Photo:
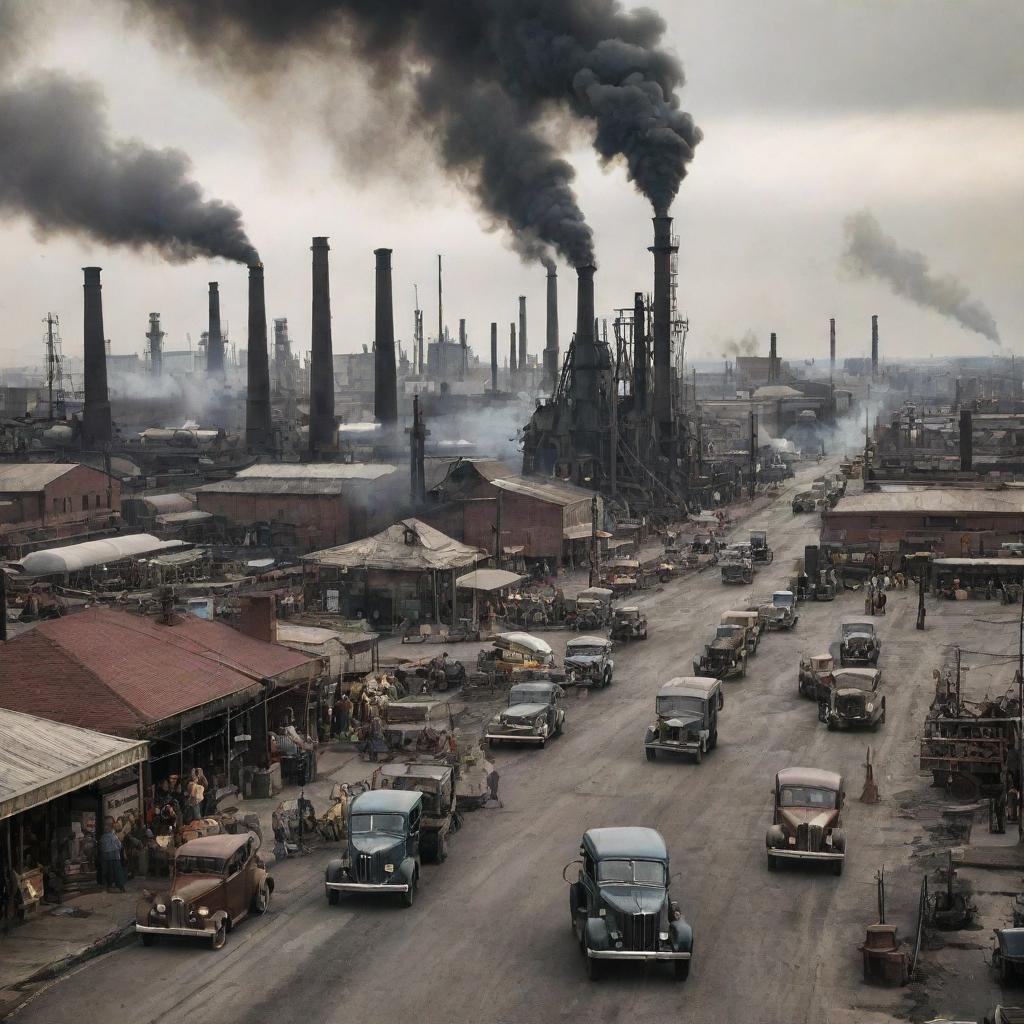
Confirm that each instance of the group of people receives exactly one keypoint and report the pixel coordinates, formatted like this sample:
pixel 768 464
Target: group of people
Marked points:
pixel 180 800
pixel 875 598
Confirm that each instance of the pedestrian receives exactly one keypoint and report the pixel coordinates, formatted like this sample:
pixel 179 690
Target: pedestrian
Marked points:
pixel 881 603
pixel 194 796
pixel 493 778
pixel 111 850
pixel 867 602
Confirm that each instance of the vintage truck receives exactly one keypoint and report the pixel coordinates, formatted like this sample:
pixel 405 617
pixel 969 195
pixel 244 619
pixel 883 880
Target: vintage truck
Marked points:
pixel 781 613
pixel 588 661
pixel 702 551
pixel 686 717
pixel 512 653
pixel 593 608
pixel 725 657
pixel 749 622
pixel 759 547
pixel 436 782
pixel 383 855
pixel 737 564
pixel 628 623
pixel 859 644
pixel 620 905
pixel 807 818
pixel 853 699
pixel 814 679
pixel 808 501
pixel 533 715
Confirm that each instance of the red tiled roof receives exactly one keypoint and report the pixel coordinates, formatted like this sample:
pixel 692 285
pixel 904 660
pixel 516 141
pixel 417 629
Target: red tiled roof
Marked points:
pixel 109 670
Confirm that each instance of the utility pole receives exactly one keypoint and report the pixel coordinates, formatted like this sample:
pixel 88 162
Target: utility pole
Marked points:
pixel 595 551
pixel 498 552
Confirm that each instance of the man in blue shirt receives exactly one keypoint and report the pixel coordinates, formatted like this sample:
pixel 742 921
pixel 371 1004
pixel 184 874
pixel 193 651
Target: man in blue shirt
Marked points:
pixel 111 868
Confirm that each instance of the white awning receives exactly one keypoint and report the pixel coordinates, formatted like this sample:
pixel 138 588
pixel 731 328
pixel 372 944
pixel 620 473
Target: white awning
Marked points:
pixel 488 580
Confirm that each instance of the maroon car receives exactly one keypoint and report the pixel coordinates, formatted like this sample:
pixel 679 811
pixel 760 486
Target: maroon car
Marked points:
pixel 215 882
pixel 807 823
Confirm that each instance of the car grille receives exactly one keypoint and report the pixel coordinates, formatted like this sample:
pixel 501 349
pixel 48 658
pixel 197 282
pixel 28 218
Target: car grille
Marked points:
pixel 850 707
pixel 369 867
pixel 178 917
pixel 640 932
pixel 809 837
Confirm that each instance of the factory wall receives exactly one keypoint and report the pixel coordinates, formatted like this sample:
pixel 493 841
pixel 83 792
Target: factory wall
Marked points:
pixel 525 521
pixel 966 534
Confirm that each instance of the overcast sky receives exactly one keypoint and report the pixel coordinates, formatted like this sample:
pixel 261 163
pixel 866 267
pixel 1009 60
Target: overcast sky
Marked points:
pixel 811 109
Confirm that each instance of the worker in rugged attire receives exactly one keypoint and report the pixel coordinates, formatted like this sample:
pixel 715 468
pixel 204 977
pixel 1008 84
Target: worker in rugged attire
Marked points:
pixel 110 849
pixel 493 778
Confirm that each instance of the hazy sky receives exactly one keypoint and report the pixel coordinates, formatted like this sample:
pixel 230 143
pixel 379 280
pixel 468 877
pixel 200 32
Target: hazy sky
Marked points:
pixel 811 109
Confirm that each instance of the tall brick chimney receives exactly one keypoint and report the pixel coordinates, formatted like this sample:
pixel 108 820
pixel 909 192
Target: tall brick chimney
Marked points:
pixel 96 424
pixel 214 338
pixel 385 379
pixel 322 432
pixel 551 346
pixel 258 433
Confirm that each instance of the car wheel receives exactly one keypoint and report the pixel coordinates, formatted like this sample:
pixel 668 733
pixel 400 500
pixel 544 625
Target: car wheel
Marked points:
pixel 772 863
pixel 832 725
pixel 593 967
pixel 261 899
pixel 837 867
pixel 698 755
pixel 713 741
pixel 220 936
pixel 650 753
pixel 442 849
pixel 147 940
pixel 409 897
pixel 543 742
pixel 682 970
pixel 333 897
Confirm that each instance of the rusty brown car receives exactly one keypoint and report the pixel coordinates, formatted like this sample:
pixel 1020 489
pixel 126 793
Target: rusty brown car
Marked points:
pixel 807 818
pixel 216 882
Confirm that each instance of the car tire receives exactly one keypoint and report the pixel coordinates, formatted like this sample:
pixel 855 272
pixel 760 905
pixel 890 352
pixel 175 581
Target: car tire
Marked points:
pixel 682 970
pixel 837 866
pixel 543 742
pixel 409 897
pixel 650 753
pixel 713 742
pixel 148 940
pixel 698 755
pixel 261 899
pixel 220 937
pixel 772 863
pixel 831 726
pixel 333 897
pixel 442 849
pixel 593 967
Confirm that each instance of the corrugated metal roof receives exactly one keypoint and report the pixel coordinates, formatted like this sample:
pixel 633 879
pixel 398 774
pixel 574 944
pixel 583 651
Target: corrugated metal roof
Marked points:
pixel 936 500
pixel 117 672
pixel 555 493
pixel 41 759
pixel 317 471
pixel 166 503
pixel 276 485
pixel 22 477
pixel 75 557
pixel 179 518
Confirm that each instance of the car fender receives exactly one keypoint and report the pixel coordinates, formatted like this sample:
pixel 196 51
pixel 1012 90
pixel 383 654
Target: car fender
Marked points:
pixel 219 918
pixel 407 870
pixel 775 837
pixel 335 870
pixel 838 840
pixel 264 877
pixel 596 933
pixel 681 936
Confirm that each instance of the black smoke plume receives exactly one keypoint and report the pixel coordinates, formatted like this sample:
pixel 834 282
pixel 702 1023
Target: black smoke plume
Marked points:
pixel 487 76
pixel 60 168
pixel 872 253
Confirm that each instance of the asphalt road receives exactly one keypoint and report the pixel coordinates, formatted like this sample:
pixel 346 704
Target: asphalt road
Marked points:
pixel 489 936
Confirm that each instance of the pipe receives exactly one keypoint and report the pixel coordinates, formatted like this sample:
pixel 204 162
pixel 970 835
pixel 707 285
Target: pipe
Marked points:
pixel 551 346
pixel 385 380
pixel 522 332
pixel 214 338
pixel 96 424
pixel 874 347
pixel 257 403
pixel 494 357
pixel 639 352
pixel 832 343
pixel 663 251
pixel 322 432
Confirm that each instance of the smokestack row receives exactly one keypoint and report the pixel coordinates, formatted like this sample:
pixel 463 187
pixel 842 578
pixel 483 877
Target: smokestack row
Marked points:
pixel 322 433
pixel 258 433
pixel 551 346
pixel 214 338
pixel 96 424
pixel 663 251
pixel 385 379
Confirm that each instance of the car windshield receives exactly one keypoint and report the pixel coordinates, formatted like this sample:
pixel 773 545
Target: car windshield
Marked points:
pixel 585 651
pixel 678 705
pixel 393 823
pixel 807 796
pixel 632 872
pixel 724 632
pixel 199 866
pixel 859 627
pixel 526 695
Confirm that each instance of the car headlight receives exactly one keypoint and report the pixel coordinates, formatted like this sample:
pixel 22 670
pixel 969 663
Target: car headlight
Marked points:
pixel 161 908
pixel 389 869
pixel 203 911
pixel 663 936
pixel 869 707
pixel 614 935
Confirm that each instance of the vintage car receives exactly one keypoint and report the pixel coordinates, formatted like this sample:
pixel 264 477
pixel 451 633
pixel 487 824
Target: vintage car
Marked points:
pixel 808 501
pixel 533 715
pixel 725 657
pixel 1008 954
pixel 513 652
pixel 737 564
pixel 806 820
pixel 749 622
pixel 759 547
pixel 436 782
pixel 686 720
pixel 623 575
pixel 588 661
pixel 815 676
pixel 593 607
pixel 216 881
pixel 701 552
pixel 629 623
pixel 854 699
pixel 620 904
pixel 383 855
pixel 781 613
pixel 859 644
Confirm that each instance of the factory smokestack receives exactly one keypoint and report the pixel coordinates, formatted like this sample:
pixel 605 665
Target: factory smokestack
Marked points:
pixel 463 354
pixel 385 377
pixel 96 426
pixel 832 344
pixel 551 346
pixel 773 360
pixel 494 357
pixel 663 251
pixel 586 369
pixel 874 347
pixel 155 337
pixel 257 403
pixel 214 339
pixel 522 332
pixel 322 432
pixel 966 440
pixel 639 352
pixel 513 360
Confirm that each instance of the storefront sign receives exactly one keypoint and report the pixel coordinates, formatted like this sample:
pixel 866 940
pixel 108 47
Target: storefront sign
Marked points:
pixel 121 801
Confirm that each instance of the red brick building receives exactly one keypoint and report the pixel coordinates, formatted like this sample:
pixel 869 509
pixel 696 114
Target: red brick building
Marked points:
pixel 43 502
